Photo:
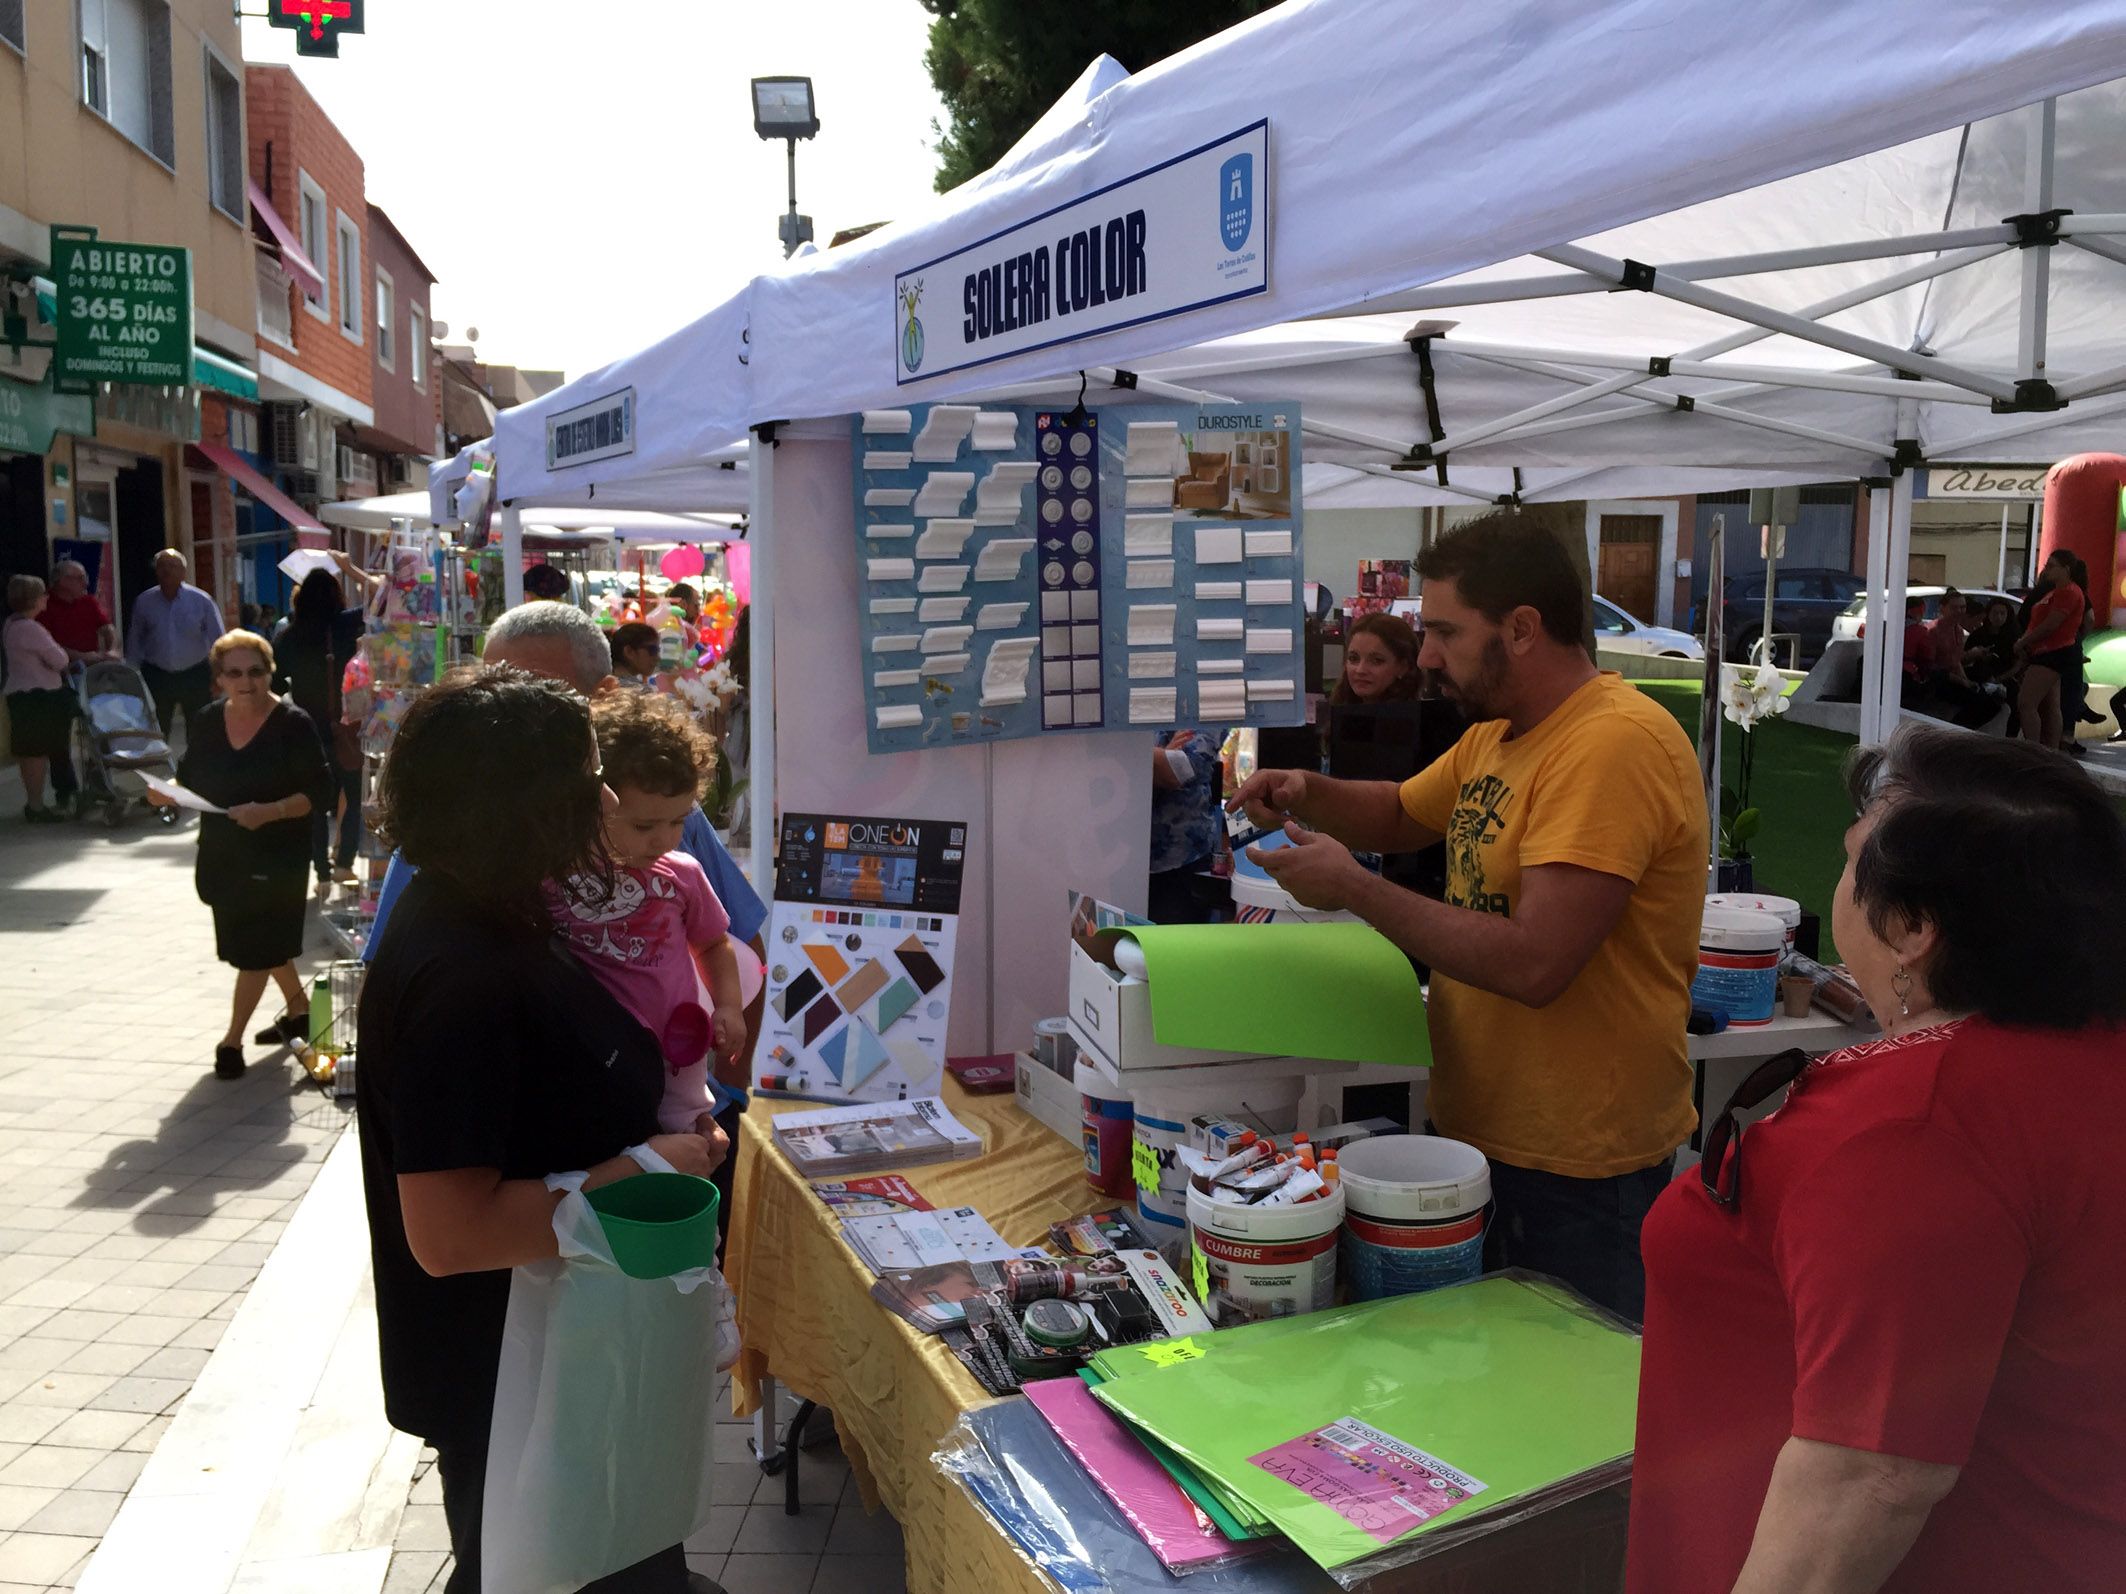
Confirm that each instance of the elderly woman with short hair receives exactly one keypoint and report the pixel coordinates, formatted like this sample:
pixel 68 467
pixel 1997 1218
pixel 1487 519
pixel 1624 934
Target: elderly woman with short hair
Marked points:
pixel 258 757
pixel 40 709
pixel 1884 1324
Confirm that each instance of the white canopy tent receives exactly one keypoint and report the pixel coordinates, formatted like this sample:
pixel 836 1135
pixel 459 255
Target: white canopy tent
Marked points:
pixel 1398 159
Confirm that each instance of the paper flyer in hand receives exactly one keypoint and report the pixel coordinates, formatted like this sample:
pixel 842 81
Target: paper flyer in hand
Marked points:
pixel 860 957
pixel 183 796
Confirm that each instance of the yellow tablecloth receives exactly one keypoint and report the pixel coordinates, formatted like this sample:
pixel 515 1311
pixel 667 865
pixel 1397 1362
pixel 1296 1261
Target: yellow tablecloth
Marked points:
pixel 805 1308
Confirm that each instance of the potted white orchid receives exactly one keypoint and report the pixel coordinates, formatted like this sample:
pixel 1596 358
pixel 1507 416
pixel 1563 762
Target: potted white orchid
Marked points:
pixel 1750 694
pixel 711 693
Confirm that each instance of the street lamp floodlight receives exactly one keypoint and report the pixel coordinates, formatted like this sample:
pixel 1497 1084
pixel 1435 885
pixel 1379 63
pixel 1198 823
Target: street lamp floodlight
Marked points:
pixel 782 108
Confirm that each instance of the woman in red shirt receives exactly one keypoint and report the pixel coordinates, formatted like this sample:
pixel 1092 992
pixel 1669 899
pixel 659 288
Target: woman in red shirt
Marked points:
pixel 2051 642
pixel 1886 1325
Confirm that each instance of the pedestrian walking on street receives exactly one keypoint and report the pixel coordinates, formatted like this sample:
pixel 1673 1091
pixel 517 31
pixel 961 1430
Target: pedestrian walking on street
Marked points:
pixel 257 756
pixel 33 676
pixel 173 627
pixel 81 625
pixel 311 651
pixel 491 1059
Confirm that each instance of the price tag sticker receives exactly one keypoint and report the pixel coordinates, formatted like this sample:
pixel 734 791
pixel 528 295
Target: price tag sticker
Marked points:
pixel 1199 1272
pixel 1144 1165
pixel 1171 1352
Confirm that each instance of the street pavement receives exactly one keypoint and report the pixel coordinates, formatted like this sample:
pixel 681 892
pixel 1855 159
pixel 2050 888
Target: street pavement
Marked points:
pixel 140 1198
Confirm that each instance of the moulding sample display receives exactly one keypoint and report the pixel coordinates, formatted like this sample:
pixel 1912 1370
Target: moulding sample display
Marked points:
pixel 860 944
pixel 1164 576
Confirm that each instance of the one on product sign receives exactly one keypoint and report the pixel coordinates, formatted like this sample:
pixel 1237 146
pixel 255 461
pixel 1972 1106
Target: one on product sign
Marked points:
pixel 125 312
pixel 1191 232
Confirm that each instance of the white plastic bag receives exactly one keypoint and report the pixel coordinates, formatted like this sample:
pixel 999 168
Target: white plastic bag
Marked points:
pixel 605 1409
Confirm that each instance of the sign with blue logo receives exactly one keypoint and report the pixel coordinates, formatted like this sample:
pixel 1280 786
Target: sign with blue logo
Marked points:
pixel 1191 232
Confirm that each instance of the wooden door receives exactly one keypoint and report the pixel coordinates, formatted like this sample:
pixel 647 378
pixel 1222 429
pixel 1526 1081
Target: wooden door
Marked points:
pixel 1629 549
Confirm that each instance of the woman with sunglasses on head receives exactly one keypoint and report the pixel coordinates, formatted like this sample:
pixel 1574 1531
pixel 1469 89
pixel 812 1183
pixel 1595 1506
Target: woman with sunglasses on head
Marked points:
pixel 259 757
pixel 1883 1324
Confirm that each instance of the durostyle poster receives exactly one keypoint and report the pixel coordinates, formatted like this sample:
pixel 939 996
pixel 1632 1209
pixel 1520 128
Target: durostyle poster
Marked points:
pixel 860 941
pixel 1028 571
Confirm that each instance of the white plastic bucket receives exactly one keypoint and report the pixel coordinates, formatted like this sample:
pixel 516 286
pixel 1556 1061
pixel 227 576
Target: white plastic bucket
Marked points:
pixel 1107 1122
pixel 1264 1262
pixel 1739 953
pixel 1162 1125
pixel 1785 909
pixel 1257 899
pixel 1415 1214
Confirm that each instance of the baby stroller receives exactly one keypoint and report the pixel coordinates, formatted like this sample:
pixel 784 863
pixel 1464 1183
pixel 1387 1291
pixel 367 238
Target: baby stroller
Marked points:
pixel 118 736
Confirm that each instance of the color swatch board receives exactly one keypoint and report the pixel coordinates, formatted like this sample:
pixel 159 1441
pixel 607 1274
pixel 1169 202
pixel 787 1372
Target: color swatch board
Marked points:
pixel 860 957
pixel 1044 570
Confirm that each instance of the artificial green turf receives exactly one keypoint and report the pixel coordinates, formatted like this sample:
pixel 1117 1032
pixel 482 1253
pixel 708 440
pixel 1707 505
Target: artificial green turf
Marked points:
pixel 1800 852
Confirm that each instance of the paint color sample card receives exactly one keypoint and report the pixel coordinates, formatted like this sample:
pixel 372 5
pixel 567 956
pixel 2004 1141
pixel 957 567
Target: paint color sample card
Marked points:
pixel 860 945
pixel 1155 525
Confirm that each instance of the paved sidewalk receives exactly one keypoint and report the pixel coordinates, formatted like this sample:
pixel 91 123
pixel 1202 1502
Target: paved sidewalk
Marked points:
pixel 139 1196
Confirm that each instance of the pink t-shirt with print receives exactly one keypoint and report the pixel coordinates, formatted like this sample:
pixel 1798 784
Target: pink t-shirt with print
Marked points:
pixel 636 941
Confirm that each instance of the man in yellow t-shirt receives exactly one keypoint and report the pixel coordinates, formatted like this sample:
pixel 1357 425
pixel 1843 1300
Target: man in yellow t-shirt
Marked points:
pixel 1562 956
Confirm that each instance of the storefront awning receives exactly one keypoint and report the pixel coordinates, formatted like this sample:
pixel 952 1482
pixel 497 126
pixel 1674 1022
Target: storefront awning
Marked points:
pixel 223 376
pixel 309 532
pixel 297 264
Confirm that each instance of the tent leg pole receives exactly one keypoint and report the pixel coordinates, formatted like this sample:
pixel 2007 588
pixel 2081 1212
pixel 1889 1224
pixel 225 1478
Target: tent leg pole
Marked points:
pixel 512 556
pixel 1893 638
pixel 2037 261
pixel 760 689
pixel 1871 649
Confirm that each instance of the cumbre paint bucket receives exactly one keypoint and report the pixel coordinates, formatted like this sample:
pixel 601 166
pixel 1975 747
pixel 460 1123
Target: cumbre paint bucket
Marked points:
pixel 1108 1123
pixel 1739 953
pixel 1785 909
pixel 1266 1261
pixel 1415 1214
pixel 1267 1106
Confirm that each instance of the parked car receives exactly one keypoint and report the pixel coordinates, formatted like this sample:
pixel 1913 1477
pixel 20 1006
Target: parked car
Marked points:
pixel 1853 623
pixel 1806 603
pixel 1627 634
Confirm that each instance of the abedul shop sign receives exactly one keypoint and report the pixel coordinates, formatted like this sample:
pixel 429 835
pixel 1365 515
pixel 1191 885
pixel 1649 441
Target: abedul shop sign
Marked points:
pixel 1190 232
pixel 125 312
pixel 31 415
pixel 2005 482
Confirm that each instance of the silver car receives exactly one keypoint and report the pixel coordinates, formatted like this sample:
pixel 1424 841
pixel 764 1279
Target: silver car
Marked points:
pixel 1626 634
pixel 1853 622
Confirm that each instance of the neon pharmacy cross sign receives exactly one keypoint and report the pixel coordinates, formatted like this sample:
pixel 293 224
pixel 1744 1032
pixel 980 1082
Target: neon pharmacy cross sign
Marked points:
pixel 319 23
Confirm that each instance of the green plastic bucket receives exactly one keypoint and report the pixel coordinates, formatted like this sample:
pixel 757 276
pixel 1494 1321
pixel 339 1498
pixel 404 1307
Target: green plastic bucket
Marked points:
pixel 658 1224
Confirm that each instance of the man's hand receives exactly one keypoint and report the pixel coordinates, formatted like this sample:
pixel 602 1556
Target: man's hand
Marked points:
pixel 1270 797
pixel 1317 871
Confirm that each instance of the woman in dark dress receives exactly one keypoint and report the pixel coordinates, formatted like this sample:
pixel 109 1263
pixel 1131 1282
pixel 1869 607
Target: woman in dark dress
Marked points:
pixel 257 756
pixel 490 1060
pixel 311 649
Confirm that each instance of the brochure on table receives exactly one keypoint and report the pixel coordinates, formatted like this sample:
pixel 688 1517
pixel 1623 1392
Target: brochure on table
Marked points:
pixel 1030 570
pixel 860 957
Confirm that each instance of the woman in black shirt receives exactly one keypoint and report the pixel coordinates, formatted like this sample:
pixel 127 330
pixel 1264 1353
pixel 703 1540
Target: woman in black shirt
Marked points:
pixel 490 1059
pixel 312 648
pixel 258 757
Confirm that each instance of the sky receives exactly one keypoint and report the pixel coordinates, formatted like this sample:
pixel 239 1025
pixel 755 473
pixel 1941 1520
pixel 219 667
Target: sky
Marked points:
pixel 583 178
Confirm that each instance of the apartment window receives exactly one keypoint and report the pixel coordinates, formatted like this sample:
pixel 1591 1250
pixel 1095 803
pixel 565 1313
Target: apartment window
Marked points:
pixel 125 70
pixel 314 230
pixel 417 343
pixel 386 323
pixel 11 22
pixel 350 262
pixel 225 139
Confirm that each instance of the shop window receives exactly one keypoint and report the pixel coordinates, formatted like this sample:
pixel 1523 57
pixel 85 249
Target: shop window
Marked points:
pixel 125 70
pixel 349 238
pixel 386 323
pixel 225 139
pixel 312 222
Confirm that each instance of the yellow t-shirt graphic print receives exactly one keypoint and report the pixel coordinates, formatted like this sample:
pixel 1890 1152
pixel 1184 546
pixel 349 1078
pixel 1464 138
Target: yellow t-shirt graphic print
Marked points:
pixel 1598 1083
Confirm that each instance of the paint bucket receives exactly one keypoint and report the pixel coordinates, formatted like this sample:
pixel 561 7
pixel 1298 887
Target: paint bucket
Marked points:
pixel 1053 1047
pixel 1785 909
pixel 1415 1218
pixel 1739 953
pixel 1109 1122
pixel 1262 1262
pixel 1161 1126
pixel 1257 899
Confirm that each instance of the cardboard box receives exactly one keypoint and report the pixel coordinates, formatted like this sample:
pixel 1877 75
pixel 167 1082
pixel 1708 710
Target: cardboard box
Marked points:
pixel 1051 1098
pixel 1113 1020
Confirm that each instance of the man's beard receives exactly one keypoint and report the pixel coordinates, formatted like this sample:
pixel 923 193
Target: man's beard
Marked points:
pixel 1483 697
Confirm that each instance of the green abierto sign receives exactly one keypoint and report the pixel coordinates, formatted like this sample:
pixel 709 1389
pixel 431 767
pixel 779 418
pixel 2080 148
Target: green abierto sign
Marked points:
pixel 31 414
pixel 125 312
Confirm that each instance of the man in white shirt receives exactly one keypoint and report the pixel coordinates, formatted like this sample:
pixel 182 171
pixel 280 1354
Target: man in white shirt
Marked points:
pixel 172 627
